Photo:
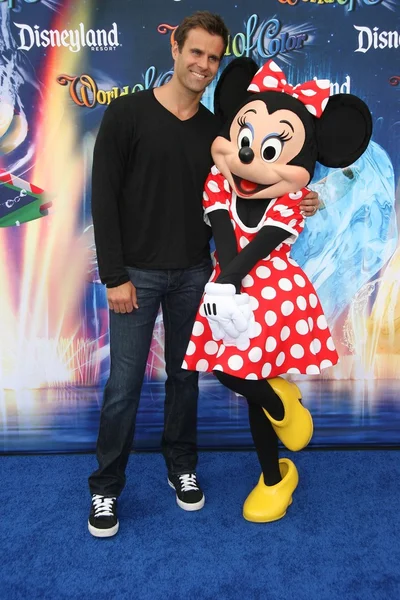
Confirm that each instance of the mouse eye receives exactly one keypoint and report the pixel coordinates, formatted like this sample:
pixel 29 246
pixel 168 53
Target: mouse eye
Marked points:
pixel 245 137
pixel 271 149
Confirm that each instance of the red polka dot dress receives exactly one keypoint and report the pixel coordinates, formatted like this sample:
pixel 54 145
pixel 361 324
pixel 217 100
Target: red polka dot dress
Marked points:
pixel 292 332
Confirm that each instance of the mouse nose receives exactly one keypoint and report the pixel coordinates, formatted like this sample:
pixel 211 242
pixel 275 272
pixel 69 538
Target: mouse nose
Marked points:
pixel 246 155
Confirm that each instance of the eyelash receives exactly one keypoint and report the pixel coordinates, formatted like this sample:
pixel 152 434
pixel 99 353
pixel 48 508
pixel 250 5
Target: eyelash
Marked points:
pixel 283 137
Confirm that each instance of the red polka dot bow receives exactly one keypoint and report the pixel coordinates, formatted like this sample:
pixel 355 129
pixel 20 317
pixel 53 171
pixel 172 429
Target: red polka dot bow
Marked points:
pixel 313 94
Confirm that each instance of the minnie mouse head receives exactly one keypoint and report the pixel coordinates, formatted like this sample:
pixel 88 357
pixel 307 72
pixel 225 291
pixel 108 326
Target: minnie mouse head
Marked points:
pixel 270 145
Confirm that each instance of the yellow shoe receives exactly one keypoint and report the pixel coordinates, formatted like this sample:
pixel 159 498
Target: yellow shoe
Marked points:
pixel 296 428
pixel 268 503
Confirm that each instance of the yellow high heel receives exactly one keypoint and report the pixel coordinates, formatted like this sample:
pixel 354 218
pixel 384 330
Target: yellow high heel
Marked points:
pixel 296 428
pixel 268 503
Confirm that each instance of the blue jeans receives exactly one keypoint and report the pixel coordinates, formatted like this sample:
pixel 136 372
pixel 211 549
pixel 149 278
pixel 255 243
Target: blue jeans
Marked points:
pixel 179 292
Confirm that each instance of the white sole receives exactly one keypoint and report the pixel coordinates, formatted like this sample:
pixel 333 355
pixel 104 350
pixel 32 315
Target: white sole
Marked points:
pixel 186 506
pixel 103 533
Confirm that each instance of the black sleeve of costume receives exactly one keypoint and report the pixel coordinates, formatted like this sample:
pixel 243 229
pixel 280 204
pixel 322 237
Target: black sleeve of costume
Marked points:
pixel 266 240
pixel 224 236
pixel 110 156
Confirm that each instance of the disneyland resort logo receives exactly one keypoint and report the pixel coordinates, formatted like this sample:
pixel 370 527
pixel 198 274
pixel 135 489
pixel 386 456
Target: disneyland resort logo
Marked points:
pixel 73 39
pixel 267 39
pixel 351 5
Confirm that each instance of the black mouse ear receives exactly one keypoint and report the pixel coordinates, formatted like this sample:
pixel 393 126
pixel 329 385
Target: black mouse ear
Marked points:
pixel 343 131
pixel 231 89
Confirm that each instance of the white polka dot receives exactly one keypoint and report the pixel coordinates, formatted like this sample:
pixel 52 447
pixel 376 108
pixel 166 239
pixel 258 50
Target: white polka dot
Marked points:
pixel 255 354
pixel 211 348
pixel 324 103
pixel 311 109
pixel 257 329
pixel 308 92
pixel 287 308
pixel 253 88
pixel 301 302
pixel 270 344
pixel 269 81
pixel 310 323
pixel 227 187
pixel 198 328
pixel 279 264
pixel 233 224
pixel 251 376
pixel 247 281
pixel 301 282
pixel 297 351
pixel 218 368
pixel 202 365
pixel 215 170
pixel 313 300
pixel 330 344
pixel 312 370
pixel 292 223
pixel 325 364
pixel 280 207
pixel 295 195
pixel 268 293
pixel 221 350
pixel 205 197
pixel 235 362
pixel 321 322
pixel 213 186
pixel 243 242
pixel 302 327
pixel 315 346
pixel 263 272
pixel 275 68
pixel 270 318
pixel 285 333
pixel 266 370
pixel 280 359
pixel 292 262
pixel 191 349
pixel 184 365
pixel 254 303
pixel 285 284
pixel 323 84
pixel 294 370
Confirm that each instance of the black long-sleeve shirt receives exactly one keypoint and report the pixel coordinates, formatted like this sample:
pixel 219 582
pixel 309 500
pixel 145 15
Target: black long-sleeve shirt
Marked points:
pixel 149 169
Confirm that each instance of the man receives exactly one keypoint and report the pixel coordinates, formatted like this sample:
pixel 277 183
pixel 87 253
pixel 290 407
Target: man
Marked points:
pixel 151 158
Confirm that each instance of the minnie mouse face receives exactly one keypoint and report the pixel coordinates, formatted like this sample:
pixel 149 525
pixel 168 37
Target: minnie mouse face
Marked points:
pixel 256 158
pixel 271 145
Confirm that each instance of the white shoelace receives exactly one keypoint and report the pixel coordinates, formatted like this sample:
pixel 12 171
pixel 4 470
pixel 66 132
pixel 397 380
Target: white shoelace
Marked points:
pixel 188 482
pixel 102 506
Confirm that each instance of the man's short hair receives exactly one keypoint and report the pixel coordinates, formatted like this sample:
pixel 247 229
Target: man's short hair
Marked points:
pixel 210 22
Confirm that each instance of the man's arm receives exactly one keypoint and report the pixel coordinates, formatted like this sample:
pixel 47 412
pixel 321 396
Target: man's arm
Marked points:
pixel 110 158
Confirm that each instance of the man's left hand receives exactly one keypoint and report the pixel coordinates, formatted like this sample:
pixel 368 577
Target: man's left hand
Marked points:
pixel 310 204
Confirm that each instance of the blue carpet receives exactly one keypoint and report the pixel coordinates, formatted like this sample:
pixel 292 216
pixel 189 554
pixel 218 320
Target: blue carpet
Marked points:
pixel 339 539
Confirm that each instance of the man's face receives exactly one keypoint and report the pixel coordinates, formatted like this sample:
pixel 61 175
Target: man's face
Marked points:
pixel 197 64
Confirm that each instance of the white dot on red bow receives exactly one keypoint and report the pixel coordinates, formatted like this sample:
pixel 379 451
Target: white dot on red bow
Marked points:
pixel 269 81
pixel 324 103
pixel 308 92
pixel 274 67
pixel 253 88
pixel 311 109
pixel 323 84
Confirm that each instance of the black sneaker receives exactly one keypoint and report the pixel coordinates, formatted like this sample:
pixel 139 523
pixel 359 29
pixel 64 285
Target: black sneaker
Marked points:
pixel 103 521
pixel 189 495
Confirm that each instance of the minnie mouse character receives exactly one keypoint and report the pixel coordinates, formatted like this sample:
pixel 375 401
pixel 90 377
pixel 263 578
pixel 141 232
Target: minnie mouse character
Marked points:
pixel 260 316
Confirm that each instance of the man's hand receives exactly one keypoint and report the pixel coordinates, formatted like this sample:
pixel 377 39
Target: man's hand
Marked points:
pixel 310 204
pixel 122 299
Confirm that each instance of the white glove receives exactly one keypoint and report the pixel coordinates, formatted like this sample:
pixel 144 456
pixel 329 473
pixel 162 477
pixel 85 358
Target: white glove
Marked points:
pixel 224 316
pixel 242 342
